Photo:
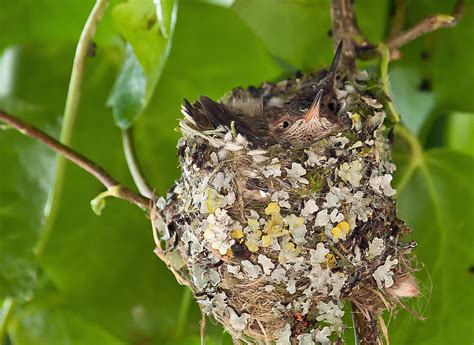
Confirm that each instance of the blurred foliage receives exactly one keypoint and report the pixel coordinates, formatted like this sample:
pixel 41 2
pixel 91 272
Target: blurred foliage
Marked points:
pixel 95 280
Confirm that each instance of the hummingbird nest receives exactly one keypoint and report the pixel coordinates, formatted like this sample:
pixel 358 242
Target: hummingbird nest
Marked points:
pixel 274 232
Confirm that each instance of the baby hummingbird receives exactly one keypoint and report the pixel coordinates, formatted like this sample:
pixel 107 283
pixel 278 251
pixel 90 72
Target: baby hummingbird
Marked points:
pixel 298 111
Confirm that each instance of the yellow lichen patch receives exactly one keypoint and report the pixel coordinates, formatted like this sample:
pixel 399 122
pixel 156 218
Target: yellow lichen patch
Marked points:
pixel 272 209
pixel 340 231
pixel 288 252
pixel 237 234
pixel 252 246
pixel 253 239
pixel 330 260
pixel 344 226
pixel 273 228
pixel 253 224
pixel 214 200
pixel 267 240
pixel 208 234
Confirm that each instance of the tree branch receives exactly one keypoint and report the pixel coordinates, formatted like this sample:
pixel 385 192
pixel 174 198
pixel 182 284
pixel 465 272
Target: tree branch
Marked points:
pixel 344 28
pixel 426 25
pixel 81 161
pixel 133 165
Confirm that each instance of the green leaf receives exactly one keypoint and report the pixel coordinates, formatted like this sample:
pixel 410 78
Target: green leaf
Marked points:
pixel 27 168
pixel 296 31
pixel 98 203
pixel 148 31
pixel 49 323
pixel 127 98
pixel 41 21
pixel 460 132
pixel 414 105
pixel 435 198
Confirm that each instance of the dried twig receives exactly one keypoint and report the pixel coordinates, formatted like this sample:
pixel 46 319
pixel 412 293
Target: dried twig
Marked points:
pixel 365 327
pixel 92 168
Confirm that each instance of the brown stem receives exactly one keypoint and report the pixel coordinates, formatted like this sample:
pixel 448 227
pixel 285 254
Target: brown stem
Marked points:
pixel 399 38
pixel 344 28
pixel 92 168
pixel 427 24
pixel 365 327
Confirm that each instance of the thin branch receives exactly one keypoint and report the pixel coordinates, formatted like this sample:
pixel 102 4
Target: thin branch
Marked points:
pixel 426 25
pixel 81 161
pixel 133 165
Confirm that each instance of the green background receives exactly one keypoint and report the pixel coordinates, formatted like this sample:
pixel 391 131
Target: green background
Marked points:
pixel 77 278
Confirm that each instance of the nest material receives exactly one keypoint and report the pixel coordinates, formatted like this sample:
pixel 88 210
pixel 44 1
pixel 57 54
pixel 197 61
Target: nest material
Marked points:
pixel 273 240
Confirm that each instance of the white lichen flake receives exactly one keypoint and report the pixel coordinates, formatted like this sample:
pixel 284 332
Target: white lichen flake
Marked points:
pixel 383 275
pixel 275 237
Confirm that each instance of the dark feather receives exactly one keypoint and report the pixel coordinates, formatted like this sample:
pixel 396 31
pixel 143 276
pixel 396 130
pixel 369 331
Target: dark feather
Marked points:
pixel 197 113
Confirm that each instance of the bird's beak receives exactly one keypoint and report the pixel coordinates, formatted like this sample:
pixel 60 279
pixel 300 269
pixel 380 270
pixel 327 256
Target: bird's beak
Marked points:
pixel 335 60
pixel 313 112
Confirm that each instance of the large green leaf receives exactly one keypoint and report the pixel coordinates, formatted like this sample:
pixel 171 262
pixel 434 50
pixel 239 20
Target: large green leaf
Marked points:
pixel 298 31
pixel 414 105
pixel 40 21
pixel 47 322
pixel 27 167
pixel 148 29
pixel 460 132
pixel 436 198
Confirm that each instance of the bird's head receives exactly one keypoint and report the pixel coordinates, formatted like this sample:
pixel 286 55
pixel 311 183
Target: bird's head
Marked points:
pixel 312 125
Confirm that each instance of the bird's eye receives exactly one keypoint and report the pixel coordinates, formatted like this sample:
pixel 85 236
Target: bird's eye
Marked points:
pixel 285 124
